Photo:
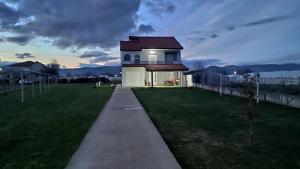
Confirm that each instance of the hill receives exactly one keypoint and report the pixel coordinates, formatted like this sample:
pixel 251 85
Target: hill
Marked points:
pixel 91 71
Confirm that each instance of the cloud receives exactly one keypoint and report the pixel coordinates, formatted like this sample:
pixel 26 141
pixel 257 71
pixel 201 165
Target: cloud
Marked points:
pixel 194 63
pixel 267 20
pixel 24 55
pixel 145 29
pixel 102 59
pixel 95 53
pixel 230 28
pixel 210 62
pixel 8 15
pixel 287 58
pixel 1 40
pixel 214 36
pixel 97 56
pixel 21 40
pixel 159 7
pixel 88 65
pixel 196 40
pixel 84 23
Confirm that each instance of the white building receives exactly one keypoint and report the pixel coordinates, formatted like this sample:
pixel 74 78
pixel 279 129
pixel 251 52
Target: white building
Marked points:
pixel 151 61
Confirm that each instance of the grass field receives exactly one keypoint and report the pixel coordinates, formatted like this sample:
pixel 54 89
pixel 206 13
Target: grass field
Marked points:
pixel 205 130
pixel 46 130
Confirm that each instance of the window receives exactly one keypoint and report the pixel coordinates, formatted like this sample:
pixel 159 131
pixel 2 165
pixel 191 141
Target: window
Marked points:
pixel 171 57
pixel 137 59
pixel 127 58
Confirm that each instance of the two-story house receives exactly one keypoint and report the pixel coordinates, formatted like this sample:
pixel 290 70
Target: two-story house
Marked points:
pixel 151 61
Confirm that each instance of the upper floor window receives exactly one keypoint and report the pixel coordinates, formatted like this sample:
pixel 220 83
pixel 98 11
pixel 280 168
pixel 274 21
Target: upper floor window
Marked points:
pixel 171 57
pixel 137 58
pixel 127 57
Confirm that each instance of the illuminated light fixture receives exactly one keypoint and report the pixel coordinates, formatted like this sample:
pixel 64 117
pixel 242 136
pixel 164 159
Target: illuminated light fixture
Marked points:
pixel 152 51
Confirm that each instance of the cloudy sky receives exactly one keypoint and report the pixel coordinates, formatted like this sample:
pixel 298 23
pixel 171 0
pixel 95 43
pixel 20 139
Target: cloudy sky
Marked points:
pixel 87 32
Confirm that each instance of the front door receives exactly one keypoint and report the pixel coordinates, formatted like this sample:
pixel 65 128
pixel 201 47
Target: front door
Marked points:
pixel 154 78
pixel 152 59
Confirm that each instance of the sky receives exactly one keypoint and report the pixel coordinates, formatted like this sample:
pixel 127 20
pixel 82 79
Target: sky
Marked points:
pixel 81 33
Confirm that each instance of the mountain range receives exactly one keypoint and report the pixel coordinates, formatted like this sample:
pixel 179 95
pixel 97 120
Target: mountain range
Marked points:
pixel 115 70
pixel 91 71
pixel 230 69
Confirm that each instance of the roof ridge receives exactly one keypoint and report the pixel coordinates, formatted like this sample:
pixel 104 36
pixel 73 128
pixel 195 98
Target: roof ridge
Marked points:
pixel 153 36
pixel 137 43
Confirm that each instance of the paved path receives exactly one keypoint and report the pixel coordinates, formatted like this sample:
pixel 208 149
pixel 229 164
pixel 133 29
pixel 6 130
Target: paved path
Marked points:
pixel 123 137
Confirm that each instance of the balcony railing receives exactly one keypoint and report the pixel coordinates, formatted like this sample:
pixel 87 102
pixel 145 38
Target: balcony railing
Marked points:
pixel 151 62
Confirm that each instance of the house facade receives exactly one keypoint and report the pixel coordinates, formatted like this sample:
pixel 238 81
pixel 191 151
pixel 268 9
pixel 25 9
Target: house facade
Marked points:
pixel 151 61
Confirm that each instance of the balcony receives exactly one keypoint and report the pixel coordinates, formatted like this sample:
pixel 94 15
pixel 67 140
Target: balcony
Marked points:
pixel 151 62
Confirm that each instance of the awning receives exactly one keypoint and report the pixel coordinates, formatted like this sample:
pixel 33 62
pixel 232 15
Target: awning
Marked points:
pixel 166 67
pixel 159 67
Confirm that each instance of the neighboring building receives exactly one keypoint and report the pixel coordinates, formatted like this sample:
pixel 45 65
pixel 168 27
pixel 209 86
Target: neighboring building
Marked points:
pixel 30 70
pixel 151 61
pixel 27 66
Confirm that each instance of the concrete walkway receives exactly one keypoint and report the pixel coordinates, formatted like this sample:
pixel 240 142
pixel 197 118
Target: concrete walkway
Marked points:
pixel 123 137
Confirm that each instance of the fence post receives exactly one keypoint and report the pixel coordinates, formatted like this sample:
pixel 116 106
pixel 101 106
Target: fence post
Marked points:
pixel 48 82
pixel 22 87
pixel 220 89
pixel 40 78
pixel 45 85
pixel 32 84
pixel 203 79
pixel 257 89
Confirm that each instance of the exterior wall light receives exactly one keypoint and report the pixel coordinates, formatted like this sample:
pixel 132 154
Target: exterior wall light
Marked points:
pixel 152 51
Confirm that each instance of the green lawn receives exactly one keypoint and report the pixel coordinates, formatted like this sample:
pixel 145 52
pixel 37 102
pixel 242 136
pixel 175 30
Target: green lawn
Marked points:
pixel 205 130
pixel 46 130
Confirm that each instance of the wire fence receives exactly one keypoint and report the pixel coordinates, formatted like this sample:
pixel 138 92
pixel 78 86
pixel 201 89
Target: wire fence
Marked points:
pixel 21 81
pixel 285 91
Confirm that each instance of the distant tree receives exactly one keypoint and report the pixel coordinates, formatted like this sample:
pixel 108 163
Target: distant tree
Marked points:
pixel 243 71
pixel 68 74
pixel 53 67
pixel 54 61
pixel 198 65
pixel 250 93
pixel 104 80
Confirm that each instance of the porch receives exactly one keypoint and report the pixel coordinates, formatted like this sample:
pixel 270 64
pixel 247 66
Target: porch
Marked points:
pixel 163 78
pixel 153 75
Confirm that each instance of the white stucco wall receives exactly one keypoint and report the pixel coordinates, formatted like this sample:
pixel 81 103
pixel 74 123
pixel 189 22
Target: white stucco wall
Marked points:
pixel 189 80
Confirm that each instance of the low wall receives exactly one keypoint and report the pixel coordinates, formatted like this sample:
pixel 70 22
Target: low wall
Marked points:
pixel 278 98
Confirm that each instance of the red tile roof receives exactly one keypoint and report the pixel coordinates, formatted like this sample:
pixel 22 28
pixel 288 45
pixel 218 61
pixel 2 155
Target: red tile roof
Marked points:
pixel 160 67
pixel 137 43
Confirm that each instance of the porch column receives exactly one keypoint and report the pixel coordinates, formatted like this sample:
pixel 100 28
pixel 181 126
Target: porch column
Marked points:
pixel 152 78
pixel 180 74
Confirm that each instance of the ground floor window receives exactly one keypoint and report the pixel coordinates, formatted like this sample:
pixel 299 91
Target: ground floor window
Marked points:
pixel 164 79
